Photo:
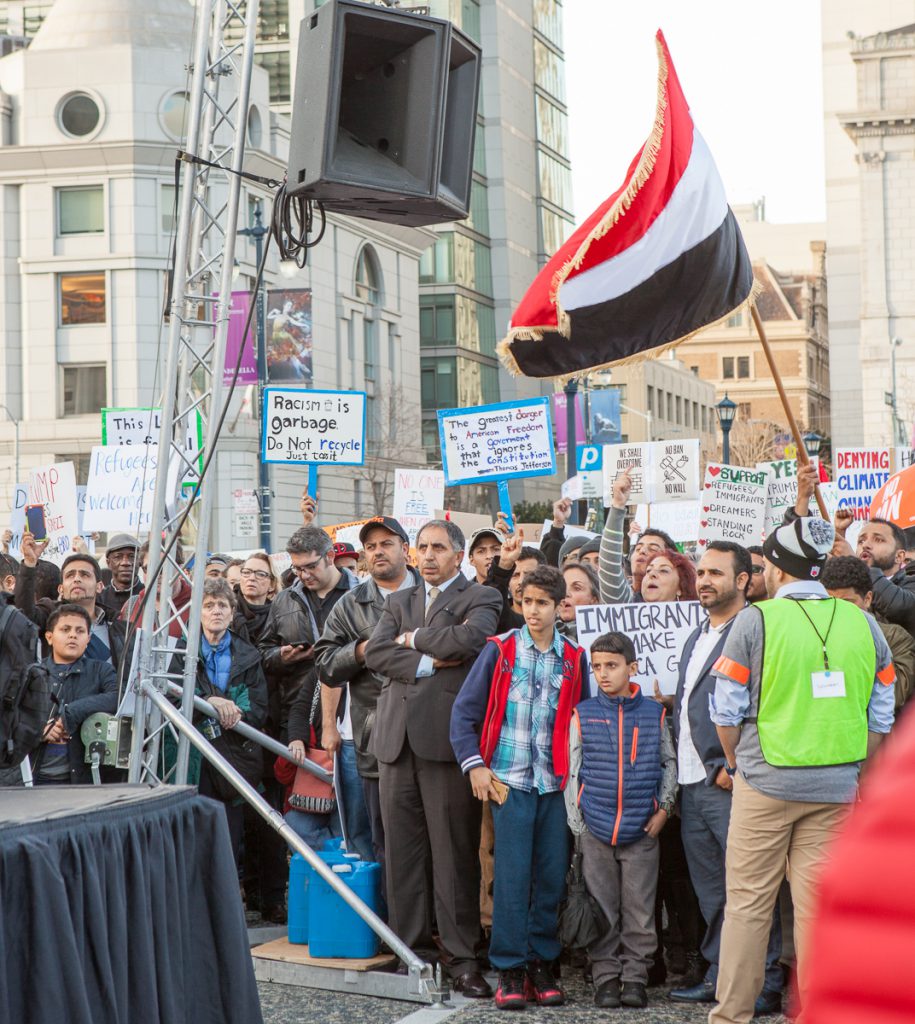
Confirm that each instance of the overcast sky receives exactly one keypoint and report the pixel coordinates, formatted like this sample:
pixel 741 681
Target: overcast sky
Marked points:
pixel 751 74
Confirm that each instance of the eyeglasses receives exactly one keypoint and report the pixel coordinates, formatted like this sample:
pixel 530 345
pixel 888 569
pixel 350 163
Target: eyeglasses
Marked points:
pixel 257 574
pixel 757 569
pixel 308 567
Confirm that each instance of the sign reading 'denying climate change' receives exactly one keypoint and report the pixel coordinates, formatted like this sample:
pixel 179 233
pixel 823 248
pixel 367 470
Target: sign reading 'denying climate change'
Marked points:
pixel 658 630
pixel 733 504
pixel 860 473
pixel 314 426
pixel 497 442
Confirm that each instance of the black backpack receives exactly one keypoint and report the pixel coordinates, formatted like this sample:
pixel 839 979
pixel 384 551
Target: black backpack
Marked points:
pixel 25 699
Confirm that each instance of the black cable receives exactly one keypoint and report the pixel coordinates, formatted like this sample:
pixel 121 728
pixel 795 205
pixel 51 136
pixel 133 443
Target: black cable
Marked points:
pixel 291 224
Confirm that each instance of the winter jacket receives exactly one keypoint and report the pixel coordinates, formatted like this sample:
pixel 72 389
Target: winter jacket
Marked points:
pixel 902 647
pixel 18 641
pixel 621 753
pixel 291 620
pixel 894 598
pixel 250 620
pixel 479 711
pixel 352 620
pixel 551 542
pixel 87 687
pixel 114 600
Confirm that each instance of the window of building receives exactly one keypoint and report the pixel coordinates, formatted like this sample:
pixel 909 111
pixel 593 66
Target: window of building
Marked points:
pixel 78 115
pixel 32 17
pixel 727 367
pixel 548 20
pixel 479 208
pixel 437 320
pixel 670 408
pixel 392 351
pixel 173 114
pixel 370 348
pixel 486 326
pixel 276 63
pixel 743 410
pixel 84 390
pixel 168 211
pixel 368 277
pixel 810 373
pixel 555 180
pixel 554 229
pixel 438 382
pixel 736 320
pixel 82 299
pixel 431 440
pixel 679 406
pixel 470 18
pixel 649 394
pixel 489 380
pixel 743 367
pixel 552 125
pixel 696 415
pixel 548 71
pixel 694 370
pixel 479 150
pixel 80 211
pixel 273 20
pixel 436 265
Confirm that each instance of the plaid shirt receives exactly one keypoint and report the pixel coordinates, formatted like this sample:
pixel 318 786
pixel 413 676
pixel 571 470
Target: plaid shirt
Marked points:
pixel 523 758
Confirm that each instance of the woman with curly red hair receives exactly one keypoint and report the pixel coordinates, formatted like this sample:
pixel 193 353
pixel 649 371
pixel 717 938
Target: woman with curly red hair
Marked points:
pixel 669 576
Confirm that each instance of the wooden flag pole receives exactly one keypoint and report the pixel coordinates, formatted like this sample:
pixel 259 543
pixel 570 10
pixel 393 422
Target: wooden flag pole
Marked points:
pixel 802 457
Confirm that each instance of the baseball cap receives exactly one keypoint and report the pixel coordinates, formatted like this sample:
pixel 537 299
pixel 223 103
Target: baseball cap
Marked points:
pixel 389 523
pixel 800 548
pixel 484 531
pixel 342 550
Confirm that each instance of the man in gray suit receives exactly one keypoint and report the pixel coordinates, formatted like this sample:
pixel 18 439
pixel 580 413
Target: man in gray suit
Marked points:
pixel 424 644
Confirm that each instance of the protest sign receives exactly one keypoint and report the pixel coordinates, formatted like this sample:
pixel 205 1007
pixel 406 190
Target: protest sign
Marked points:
pixel 497 442
pixel 660 470
pixel 589 463
pixel 55 487
pixel 343 532
pixel 417 494
pixel 314 426
pixel 680 519
pixel 859 474
pixel 119 491
pixel 733 504
pixel 17 518
pixel 129 426
pixel 570 531
pixel 571 488
pixel 80 512
pixel 782 492
pixel 658 630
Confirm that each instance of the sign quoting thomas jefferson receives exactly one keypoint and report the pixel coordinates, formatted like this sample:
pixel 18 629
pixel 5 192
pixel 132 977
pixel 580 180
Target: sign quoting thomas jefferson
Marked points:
pixel 859 474
pixel 657 629
pixel 733 504
pixel 497 442
pixel 314 426
pixel 660 470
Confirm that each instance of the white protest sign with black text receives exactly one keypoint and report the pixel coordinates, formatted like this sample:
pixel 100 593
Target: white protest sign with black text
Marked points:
pixel 417 494
pixel 497 442
pixel 782 493
pixel 314 426
pixel 55 488
pixel 680 519
pixel 733 504
pixel 119 491
pixel 660 470
pixel 658 630
pixel 17 518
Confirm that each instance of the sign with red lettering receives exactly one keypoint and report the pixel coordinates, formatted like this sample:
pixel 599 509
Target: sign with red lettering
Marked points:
pixel 859 474
pixel 55 488
pixel 733 504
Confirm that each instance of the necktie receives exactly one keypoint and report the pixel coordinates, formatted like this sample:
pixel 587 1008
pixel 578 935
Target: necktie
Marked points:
pixel 430 599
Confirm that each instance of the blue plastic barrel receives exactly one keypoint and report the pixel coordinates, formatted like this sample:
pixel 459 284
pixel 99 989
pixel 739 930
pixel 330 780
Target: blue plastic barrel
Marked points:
pixel 334 929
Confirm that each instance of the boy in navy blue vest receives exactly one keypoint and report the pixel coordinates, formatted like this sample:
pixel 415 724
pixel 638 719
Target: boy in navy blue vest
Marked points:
pixel 622 788
pixel 510 734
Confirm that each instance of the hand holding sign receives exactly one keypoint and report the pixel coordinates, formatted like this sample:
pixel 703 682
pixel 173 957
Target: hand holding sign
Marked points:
pixel 622 488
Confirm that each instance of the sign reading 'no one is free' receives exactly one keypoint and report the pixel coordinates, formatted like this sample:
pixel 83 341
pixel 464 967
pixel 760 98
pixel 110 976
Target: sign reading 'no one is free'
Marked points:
pixel 314 426
pixel 497 442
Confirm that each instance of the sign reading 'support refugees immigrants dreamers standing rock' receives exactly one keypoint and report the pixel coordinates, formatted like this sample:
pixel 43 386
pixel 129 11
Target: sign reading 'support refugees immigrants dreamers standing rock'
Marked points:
pixel 733 504
pixel 314 426
pixel 658 629
pixel 497 442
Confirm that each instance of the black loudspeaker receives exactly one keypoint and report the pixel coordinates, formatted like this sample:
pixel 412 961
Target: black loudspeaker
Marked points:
pixel 384 113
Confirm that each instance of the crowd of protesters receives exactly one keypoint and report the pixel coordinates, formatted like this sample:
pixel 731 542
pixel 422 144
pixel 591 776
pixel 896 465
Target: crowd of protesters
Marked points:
pixel 475 744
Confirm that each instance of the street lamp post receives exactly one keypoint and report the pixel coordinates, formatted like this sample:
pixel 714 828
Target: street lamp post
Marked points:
pixel 571 390
pixel 812 442
pixel 726 410
pixel 649 422
pixel 257 232
pixel 15 423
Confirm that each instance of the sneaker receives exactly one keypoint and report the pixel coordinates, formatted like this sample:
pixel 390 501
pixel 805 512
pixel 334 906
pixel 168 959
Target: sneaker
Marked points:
pixel 510 990
pixel 540 986
pixel 633 994
pixel 607 995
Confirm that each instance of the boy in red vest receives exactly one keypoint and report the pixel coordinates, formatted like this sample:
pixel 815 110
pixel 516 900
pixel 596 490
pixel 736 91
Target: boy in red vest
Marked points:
pixel 510 734
pixel 622 789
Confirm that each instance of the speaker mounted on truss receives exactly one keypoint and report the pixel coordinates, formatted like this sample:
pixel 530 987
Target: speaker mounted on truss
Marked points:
pixel 384 114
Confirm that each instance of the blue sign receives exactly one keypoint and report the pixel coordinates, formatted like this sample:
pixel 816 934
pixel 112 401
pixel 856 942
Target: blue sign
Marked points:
pixel 311 426
pixel 589 457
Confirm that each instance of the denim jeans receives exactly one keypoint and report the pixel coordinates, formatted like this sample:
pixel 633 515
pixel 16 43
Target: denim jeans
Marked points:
pixel 531 860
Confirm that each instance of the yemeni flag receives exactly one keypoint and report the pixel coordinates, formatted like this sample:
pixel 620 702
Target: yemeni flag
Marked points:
pixel 659 260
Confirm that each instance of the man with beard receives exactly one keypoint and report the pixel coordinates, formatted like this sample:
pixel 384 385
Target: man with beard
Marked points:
pixel 722 578
pixel 340 657
pixel 757 589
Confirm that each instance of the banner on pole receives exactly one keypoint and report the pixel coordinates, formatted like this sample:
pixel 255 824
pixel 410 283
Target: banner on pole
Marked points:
pixel 120 488
pixel 417 494
pixel 604 415
pixel 55 487
pixel 561 420
pixel 237 341
pixel 658 630
pixel 497 442
pixel 733 505
pixel 314 426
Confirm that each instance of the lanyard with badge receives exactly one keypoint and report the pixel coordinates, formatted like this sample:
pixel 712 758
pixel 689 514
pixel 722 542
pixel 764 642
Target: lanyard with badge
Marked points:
pixel 830 682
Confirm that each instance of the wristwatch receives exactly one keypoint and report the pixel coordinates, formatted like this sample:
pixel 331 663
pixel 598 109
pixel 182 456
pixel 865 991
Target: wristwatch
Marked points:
pixel 731 771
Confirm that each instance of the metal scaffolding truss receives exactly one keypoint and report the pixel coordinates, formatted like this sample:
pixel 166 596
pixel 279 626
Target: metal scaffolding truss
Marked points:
pixel 192 394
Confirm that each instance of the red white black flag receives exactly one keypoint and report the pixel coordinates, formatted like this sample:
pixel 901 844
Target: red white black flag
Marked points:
pixel 659 260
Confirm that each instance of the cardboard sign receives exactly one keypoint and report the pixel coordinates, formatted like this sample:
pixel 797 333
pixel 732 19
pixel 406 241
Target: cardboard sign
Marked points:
pixel 733 505
pixel 497 442
pixel 660 470
pixel 680 519
pixel 314 426
pixel 343 532
pixel 859 474
pixel 658 629
pixel 55 488
pixel 782 493
pixel 417 494
pixel 119 492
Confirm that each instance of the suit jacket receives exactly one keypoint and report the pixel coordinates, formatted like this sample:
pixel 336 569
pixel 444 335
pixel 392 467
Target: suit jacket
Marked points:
pixel 702 728
pixel 418 711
